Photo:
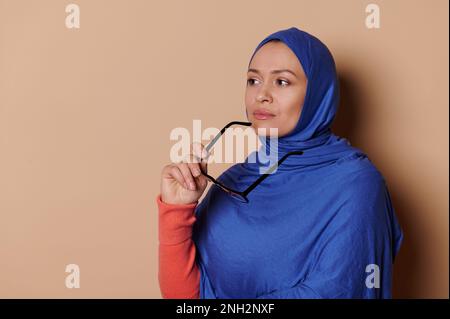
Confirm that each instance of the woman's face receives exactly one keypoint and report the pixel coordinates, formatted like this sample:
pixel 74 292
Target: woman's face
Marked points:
pixel 276 88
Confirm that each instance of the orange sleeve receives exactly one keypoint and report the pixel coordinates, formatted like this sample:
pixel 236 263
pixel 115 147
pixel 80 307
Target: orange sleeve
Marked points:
pixel 178 274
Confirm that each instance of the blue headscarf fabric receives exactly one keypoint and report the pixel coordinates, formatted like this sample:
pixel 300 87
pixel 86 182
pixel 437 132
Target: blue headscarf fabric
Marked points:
pixel 321 226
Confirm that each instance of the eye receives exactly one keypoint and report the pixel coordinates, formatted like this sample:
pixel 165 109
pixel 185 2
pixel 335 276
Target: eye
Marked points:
pixel 251 81
pixel 280 80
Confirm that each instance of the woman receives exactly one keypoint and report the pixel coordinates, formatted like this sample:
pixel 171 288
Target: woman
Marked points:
pixel 321 226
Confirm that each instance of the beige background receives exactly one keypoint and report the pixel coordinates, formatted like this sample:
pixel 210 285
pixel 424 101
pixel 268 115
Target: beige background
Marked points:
pixel 86 114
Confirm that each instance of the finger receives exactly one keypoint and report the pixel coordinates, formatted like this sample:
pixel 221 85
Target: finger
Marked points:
pixel 204 166
pixel 197 165
pixel 184 168
pixel 195 168
pixel 202 155
pixel 199 150
pixel 193 164
pixel 176 173
pixel 202 181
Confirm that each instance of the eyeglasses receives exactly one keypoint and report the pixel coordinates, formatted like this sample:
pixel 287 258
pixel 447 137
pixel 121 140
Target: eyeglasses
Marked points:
pixel 242 195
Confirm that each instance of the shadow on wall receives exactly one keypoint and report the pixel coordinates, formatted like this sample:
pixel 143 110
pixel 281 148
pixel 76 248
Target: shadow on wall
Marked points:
pixel 349 124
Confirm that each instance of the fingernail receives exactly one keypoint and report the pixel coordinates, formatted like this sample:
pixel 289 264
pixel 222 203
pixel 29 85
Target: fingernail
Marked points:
pixel 192 186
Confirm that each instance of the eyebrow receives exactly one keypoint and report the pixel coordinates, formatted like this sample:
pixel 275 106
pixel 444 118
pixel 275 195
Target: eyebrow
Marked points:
pixel 274 71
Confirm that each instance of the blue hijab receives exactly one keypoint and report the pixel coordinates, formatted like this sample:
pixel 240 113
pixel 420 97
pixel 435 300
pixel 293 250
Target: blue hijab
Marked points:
pixel 321 226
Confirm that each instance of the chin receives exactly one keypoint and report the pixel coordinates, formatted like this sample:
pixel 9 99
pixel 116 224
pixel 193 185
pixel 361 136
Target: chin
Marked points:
pixel 264 128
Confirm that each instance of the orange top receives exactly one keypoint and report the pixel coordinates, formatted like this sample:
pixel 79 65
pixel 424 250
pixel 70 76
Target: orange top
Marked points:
pixel 178 274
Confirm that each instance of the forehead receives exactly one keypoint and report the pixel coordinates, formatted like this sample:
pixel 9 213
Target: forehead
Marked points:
pixel 276 55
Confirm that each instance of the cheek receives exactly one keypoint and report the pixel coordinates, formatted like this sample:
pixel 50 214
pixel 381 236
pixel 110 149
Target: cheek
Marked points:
pixel 291 109
pixel 248 98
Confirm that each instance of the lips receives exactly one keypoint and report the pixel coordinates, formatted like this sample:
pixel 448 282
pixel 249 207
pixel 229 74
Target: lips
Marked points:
pixel 263 115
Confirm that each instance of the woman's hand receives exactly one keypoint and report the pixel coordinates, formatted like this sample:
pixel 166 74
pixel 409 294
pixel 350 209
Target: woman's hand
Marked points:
pixel 183 183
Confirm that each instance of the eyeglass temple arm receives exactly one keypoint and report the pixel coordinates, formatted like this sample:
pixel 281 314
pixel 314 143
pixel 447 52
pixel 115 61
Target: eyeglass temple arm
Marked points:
pixel 269 171
pixel 214 140
pixel 221 185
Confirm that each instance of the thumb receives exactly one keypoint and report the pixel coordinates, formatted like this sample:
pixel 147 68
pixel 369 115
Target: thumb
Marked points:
pixel 202 155
pixel 204 165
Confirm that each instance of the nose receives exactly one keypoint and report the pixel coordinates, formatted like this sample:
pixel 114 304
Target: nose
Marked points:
pixel 264 94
